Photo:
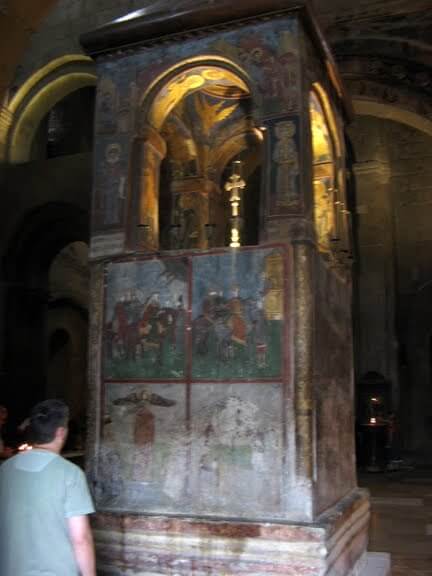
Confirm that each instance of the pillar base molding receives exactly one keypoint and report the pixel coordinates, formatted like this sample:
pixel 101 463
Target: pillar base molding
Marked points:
pixel 379 170
pixel 376 564
pixel 334 545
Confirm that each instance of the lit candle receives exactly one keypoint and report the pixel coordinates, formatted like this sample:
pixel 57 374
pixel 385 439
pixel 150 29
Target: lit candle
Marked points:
pixel 373 420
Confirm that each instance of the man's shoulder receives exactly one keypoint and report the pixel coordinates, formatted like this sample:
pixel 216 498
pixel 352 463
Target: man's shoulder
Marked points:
pixel 6 464
pixel 69 466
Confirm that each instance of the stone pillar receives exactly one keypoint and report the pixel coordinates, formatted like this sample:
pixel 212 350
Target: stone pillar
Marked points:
pixel 376 340
pixel 246 460
pixel 149 149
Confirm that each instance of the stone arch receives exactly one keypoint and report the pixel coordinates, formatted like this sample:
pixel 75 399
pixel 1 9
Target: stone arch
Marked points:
pixel 237 144
pixel 214 74
pixel 194 72
pixel 331 201
pixel 36 97
pixel 390 112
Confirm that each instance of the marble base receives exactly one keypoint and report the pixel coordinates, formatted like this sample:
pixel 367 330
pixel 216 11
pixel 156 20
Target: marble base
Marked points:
pixel 377 564
pixel 334 545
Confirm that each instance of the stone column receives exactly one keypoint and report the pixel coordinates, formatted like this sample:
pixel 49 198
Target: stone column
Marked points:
pixel 148 152
pixel 376 285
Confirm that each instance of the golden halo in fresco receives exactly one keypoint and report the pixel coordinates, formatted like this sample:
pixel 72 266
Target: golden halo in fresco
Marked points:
pixel 212 74
pixel 193 81
pixel 113 153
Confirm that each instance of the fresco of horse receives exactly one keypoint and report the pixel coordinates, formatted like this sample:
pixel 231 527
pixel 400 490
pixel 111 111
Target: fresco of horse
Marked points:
pixel 234 335
pixel 145 320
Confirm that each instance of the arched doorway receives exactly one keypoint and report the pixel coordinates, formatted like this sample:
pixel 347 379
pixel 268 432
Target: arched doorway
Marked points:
pixel 393 191
pixel 41 314
pixel 67 330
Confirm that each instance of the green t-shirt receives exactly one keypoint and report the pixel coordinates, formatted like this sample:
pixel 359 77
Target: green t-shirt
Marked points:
pixel 39 490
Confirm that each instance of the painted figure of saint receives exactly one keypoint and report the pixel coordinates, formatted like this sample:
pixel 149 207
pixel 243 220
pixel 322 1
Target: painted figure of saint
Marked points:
pixel 107 109
pixel 286 157
pixel 111 184
pixel 138 403
pixel 323 212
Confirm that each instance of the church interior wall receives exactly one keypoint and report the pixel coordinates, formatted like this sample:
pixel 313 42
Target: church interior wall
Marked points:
pixel 393 211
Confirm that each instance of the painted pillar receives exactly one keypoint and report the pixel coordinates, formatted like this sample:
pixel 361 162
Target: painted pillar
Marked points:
pixel 239 359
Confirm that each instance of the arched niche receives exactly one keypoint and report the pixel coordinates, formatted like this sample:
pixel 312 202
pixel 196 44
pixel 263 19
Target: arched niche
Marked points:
pixel 67 128
pixel 195 120
pixel 328 173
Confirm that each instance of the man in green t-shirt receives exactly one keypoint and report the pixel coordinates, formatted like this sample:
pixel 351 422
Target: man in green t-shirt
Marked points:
pixel 44 504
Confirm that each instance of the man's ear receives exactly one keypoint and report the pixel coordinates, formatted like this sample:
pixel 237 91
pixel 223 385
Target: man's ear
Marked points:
pixel 61 433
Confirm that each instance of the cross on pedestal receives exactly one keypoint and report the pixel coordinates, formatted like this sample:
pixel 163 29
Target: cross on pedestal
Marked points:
pixel 234 186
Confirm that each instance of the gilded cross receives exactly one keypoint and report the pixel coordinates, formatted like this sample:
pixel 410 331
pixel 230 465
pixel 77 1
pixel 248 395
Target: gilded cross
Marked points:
pixel 234 186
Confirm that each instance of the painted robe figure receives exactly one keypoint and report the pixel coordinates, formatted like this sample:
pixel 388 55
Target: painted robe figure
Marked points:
pixel 286 157
pixel 144 429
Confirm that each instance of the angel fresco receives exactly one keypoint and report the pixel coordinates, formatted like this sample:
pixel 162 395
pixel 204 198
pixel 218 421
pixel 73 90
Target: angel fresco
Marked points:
pixel 130 431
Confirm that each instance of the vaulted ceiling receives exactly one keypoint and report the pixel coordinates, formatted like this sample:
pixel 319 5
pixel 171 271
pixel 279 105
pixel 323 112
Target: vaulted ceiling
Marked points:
pixel 18 20
pixel 381 45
